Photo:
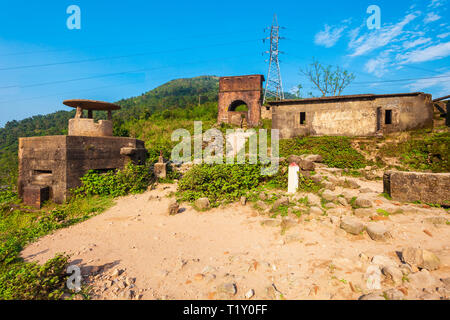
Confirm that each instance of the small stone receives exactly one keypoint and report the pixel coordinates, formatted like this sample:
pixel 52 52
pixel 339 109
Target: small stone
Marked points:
pixel 117 272
pixel 372 296
pixel 315 211
pixel 330 205
pixel 394 294
pixel 243 201
pixel 227 288
pixel 446 282
pixel 430 261
pixel 328 195
pixel 338 212
pixel 271 223
pixel 317 179
pixel 364 212
pixel 393 273
pixel 202 203
pixel 283 201
pixel 262 196
pixel 329 185
pixel 173 208
pixel 412 256
pixel 198 277
pixel 378 232
pixel 363 202
pixel 250 293
pixel 334 220
pixel 422 279
pixel 352 225
pixel 383 261
pixel 342 201
pixel 365 190
pixel 313 199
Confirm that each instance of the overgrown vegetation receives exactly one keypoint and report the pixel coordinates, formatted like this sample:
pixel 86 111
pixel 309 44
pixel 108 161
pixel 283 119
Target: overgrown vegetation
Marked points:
pixel 132 179
pixel 336 151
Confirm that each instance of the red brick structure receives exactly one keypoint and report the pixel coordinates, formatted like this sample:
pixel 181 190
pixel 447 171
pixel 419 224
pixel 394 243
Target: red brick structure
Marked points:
pixel 240 90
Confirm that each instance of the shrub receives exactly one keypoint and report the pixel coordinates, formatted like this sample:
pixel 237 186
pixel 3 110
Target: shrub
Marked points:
pixel 219 182
pixel 31 281
pixel 131 179
pixel 336 151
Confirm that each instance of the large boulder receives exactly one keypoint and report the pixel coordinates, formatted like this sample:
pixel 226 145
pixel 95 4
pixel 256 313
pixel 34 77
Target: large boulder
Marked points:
pixel 378 232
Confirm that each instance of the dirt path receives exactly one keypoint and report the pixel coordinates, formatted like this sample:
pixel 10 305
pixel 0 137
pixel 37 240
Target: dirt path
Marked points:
pixel 135 250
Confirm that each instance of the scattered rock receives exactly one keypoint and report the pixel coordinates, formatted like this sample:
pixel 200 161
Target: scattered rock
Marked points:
pixel 338 212
pixel 227 288
pixel 364 212
pixel 430 261
pixel 412 256
pixel 313 199
pixel 363 202
pixel 422 279
pixel 173 208
pixel 317 179
pixel 329 185
pixel 366 190
pixel 378 232
pixel 330 205
pixel 394 294
pixel 342 201
pixel 262 196
pixel 283 201
pixel 250 293
pixel 315 211
pixel 243 201
pixel 383 261
pixel 372 296
pixel 271 223
pixel 203 203
pixel 392 273
pixel 352 225
pixel 117 272
pixel 334 220
pixel 328 195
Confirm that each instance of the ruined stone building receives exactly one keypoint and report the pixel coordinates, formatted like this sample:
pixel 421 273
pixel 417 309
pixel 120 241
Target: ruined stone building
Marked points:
pixel 354 115
pixel 52 165
pixel 240 91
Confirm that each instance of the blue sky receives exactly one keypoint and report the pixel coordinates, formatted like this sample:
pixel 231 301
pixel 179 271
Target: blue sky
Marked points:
pixel 129 47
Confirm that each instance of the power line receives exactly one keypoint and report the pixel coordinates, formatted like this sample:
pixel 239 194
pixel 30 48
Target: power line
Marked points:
pixel 115 73
pixel 117 44
pixel 122 56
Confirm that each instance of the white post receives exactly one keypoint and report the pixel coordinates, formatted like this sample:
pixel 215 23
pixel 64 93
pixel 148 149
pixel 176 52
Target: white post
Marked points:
pixel 293 178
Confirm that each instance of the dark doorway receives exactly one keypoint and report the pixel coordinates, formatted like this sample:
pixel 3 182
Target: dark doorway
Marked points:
pixel 388 117
pixel 378 119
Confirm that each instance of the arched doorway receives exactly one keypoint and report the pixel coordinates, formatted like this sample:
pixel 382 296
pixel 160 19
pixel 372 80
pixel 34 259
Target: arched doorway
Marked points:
pixel 238 106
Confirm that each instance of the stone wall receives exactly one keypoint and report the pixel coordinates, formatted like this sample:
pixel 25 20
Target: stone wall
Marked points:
pixel 90 128
pixel 361 115
pixel 418 186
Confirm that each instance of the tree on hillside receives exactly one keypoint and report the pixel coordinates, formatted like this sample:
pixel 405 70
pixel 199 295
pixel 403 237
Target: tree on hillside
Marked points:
pixel 329 80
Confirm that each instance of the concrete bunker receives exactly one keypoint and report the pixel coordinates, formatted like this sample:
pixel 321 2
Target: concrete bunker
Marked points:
pixel 50 166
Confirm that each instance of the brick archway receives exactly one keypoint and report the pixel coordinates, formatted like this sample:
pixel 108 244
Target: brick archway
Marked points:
pixel 234 91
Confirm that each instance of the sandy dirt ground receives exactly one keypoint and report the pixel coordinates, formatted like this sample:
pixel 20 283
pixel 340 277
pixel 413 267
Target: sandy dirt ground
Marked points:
pixel 135 250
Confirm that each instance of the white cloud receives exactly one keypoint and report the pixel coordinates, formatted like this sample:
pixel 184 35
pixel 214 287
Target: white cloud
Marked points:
pixel 436 3
pixel 437 82
pixel 379 38
pixel 415 43
pixel 329 36
pixel 433 52
pixel 443 35
pixel 431 17
pixel 378 66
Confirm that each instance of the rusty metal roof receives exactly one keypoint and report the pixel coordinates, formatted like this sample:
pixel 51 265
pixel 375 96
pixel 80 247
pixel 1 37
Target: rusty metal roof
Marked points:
pixel 339 98
pixel 91 104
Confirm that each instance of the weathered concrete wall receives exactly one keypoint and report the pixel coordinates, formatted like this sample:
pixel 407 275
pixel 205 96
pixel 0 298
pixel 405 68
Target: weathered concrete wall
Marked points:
pixel 247 89
pixel 60 161
pixel 362 115
pixel 89 128
pixel 418 186
pixel 266 112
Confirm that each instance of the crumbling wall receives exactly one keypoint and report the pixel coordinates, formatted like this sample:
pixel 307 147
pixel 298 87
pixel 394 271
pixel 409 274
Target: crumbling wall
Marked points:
pixel 418 186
